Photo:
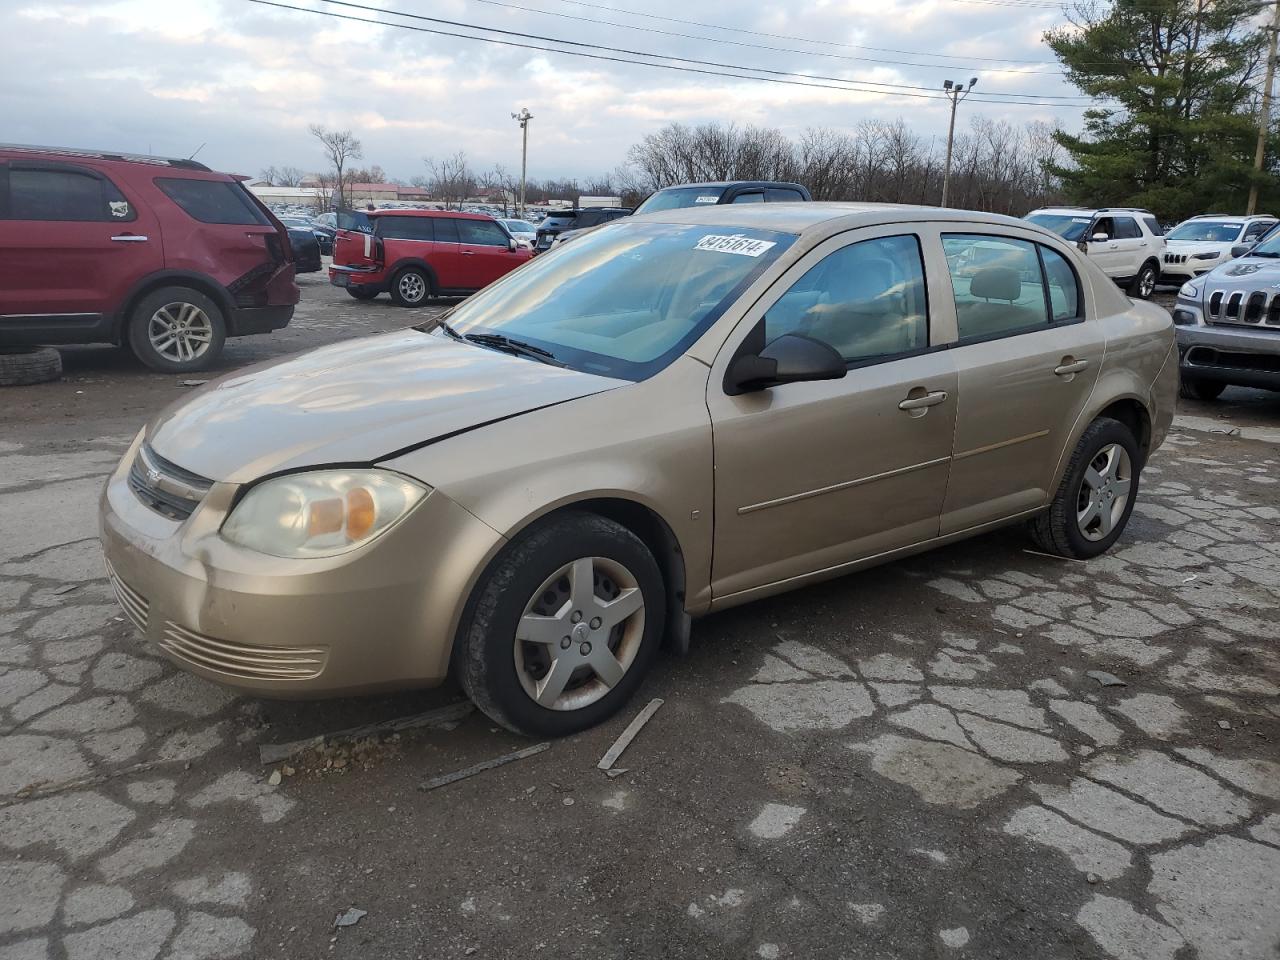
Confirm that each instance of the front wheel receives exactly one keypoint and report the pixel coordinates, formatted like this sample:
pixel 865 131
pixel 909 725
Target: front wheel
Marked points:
pixel 176 330
pixel 1144 284
pixel 562 626
pixel 1096 496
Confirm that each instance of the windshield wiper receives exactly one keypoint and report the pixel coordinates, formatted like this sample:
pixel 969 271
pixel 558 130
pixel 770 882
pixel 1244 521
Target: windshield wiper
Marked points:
pixel 499 341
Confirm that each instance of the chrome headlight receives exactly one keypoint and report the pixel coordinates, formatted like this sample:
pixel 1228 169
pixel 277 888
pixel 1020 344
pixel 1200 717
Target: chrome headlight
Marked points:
pixel 1189 291
pixel 320 514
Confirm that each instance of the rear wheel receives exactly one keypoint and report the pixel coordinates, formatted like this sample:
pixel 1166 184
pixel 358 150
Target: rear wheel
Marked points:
pixel 562 627
pixel 177 330
pixel 1144 284
pixel 1096 496
pixel 361 294
pixel 1193 389
pixel 411 287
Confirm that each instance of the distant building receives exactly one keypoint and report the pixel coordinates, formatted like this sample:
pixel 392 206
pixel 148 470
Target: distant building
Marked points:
pixel 311 196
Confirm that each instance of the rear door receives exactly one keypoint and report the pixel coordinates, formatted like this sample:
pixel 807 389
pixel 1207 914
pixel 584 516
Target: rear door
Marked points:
pixel 1027 356
pixel 222 232
pixel 71 243
pixel 486 252
pixel 446 258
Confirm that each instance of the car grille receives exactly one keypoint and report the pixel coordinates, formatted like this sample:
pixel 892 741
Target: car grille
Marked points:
pixel 242 660
pixel 134 604
pixel 1175 258
pixel 165 487
pixel 1261 308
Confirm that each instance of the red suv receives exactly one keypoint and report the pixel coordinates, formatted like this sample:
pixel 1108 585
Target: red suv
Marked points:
pixel 165 257
pixel 418 254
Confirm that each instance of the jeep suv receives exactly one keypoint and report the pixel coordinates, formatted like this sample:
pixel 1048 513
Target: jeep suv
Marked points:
pixel 570 221
pixel 1126 242
pixel 1196 246
pixel 165 257
pixel 418 254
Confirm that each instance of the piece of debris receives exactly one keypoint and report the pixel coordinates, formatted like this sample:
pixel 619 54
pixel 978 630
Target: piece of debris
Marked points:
pixel 1190 578
pixel 65 588
pixel 1105 679
pixel 1224 724
pixel 442 718
pixel 194 383
pixel 274 779
pixel 568 801
pixel 616 772
pixel 1051 556
pixel 448 778
pixel 611 757
pixel 1092 877
pixel 350 917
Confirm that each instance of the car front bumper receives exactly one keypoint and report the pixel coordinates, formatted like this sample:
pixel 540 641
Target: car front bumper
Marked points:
pixel 1226 353
pixel 382 616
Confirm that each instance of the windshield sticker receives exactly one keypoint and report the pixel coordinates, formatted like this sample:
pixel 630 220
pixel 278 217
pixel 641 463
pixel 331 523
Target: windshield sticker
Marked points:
pixel 1080 220
pixel 737 243
pixel 707 199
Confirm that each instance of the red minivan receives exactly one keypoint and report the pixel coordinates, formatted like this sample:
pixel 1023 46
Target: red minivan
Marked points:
pixel 418 254
pixel 163 256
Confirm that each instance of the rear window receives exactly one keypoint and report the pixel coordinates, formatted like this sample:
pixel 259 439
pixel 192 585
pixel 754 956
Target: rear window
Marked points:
pixel 63 195
pixel 213 201
pixel 354 220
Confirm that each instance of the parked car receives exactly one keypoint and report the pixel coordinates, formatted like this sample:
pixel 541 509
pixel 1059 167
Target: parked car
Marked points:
pixel 527 491
pixel 306 249
pixel 1228 324
pixel 1196 246
pixel 562 221
pixel 165 257
pixel 1126 243
pixel 323 235
pixel 524 231
pixel 418 254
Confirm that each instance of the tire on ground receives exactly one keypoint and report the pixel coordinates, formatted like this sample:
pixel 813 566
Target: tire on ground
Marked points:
pixel 140 318
pixel 20 366
pixel 1150 268
pixel 1056 530
pixel 1193 389
pixel 424 281
pixel 361 294
pixel 484 653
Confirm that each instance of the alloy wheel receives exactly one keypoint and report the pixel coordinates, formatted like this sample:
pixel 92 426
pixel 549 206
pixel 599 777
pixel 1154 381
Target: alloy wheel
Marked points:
pixel 579 633
pixel 1147 283
pixel 180 332
pixel 1104 492
pixel 412 287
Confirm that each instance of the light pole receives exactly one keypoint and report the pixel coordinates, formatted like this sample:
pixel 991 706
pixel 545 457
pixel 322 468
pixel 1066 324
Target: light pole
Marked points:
pixel 524 116
pixel 956 91
pixel 1264 120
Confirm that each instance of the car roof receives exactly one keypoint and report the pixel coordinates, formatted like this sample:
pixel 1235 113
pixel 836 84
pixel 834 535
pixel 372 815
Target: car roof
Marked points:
pixel 799 218
pixel 73 153
pixel 732 183
pixel 451 214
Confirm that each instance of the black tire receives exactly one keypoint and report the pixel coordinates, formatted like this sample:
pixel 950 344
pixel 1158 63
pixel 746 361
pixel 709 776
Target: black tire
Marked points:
pixel 1192 389
pixel 484 653
pixel 1144 282
pixel 1056 530
pixel 139 341
pixel 406 282
pixel 20 366
pixel 361 294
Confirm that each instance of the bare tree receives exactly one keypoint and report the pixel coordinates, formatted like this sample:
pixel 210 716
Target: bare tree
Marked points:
pixel 271 175
pixel 291 176
pixel 451 179
pixel 340 147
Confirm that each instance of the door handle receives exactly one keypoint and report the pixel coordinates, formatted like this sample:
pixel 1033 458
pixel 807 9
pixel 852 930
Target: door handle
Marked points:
pixel 130 238
pixel 928 400
pixel 1068 367
pixel 468 253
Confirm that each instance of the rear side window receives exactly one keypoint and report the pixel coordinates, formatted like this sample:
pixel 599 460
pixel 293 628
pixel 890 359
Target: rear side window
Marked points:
pixel 781 195
pixel 1257 229
pixel 446 230
pixel 213 201
pixel 482 232
pixel 406 228
pixel 1063 286
pixel 749 198
pixel 588 218
pixel 1154 226
pixel 997 284
pixel 36 194
pixel 1126 229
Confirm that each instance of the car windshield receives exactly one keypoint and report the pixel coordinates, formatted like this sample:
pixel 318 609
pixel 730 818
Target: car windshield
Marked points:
pixel 1069 226
pixel 623 301
pixel 1269 247
pixel 674 198
pixel 1206 231
pixel 519 226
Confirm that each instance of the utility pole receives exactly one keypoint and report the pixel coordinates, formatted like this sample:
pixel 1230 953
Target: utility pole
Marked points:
pixel 1264 121
pixel 956 91
pixel 524 116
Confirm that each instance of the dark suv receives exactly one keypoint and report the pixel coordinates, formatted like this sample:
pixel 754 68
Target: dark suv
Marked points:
pixel 724 191
pixel 565 220
pixel 163 256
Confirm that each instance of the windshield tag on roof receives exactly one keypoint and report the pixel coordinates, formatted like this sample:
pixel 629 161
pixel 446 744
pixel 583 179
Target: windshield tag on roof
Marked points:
pixel 711 199
pixel 737 243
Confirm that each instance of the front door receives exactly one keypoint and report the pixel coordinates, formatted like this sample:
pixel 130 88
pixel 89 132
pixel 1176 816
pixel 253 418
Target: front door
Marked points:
pixel 1106 253
pixel 1132 245
pixel 1027 356
pixel 809 476
pixel 71 243
pixel 486 252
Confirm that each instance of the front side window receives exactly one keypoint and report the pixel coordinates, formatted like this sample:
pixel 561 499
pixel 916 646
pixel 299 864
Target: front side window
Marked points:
pixel 1127 229
pixel 1069 226
pixel 756 197
pixel 626 300
pixel 997 284
pixel 64 195
pixel 484 233
pixel 1105 226
pixel 781 195
pixel 213 201
pixel 867 300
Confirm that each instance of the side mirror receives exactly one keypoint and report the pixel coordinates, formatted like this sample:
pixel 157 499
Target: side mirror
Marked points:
pixel 511 244
pixel 1100 237
pixel 791 358
pixel 1242 249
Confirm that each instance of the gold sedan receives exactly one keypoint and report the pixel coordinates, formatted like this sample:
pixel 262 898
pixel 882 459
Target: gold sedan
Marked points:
pixel 673 415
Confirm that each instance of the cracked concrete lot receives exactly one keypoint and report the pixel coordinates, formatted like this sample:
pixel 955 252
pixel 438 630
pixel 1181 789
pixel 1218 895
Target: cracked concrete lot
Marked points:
pixel 909 762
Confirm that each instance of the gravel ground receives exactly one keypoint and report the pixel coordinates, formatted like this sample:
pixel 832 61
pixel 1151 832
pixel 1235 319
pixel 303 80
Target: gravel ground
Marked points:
pixel 911 762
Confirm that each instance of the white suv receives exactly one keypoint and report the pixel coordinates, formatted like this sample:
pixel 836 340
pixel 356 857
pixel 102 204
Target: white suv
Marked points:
pixel 1198 245
pixel 1126 242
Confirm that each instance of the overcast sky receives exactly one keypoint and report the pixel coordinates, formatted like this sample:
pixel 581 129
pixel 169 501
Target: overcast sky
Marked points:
pixel 246 80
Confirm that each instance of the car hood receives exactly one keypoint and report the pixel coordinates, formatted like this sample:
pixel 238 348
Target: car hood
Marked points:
pixel 1244 273
pixel 1197 246
pixel 355 402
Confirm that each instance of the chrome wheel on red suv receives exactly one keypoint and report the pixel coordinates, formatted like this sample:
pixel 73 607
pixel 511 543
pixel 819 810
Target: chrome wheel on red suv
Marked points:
pixel 176 330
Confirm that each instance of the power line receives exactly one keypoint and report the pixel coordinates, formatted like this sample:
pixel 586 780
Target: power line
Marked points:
pixel 963 66
pixel 862 86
